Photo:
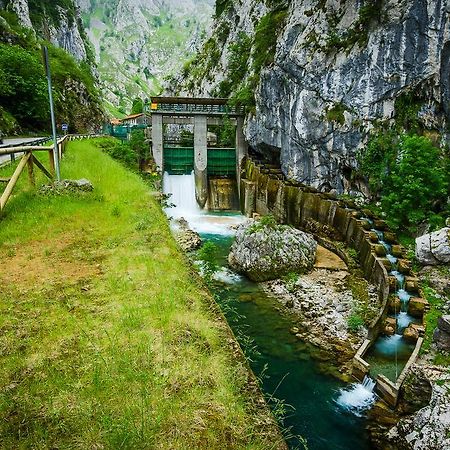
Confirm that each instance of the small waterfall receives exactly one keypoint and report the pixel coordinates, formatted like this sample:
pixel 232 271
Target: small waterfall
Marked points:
pixel 403 321
pixel 358 397
pixel 387 246
pixel 183 204
pixel 182 190
pixel 392 259
pixel 400 279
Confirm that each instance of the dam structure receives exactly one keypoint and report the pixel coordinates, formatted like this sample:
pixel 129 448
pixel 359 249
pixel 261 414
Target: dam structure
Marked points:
pixel 204 161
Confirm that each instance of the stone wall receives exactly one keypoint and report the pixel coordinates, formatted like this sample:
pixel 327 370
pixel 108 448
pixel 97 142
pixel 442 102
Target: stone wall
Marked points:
pixel 222 194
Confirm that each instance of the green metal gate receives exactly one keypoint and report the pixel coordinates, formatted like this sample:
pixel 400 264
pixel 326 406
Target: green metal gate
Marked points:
pixel 178 160
pixel 222 161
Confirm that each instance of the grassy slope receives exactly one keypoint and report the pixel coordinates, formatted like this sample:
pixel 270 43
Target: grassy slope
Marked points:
pixel 108 341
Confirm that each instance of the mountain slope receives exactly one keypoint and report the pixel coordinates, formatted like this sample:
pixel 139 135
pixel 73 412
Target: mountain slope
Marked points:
pixel 24 26
pixel 138 43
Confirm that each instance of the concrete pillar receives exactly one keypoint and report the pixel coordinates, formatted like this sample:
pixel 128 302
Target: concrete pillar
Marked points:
pixel 157 140
pixel 200 159
pixel 248 197
pixel 241 148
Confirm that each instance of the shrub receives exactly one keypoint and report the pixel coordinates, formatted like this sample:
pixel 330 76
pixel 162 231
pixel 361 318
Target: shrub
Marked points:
pixel 354 322
pixel 417 185
pixel 336 113
pixel 22 86
pixel 377 159
pixel 263 222
pixel 207 255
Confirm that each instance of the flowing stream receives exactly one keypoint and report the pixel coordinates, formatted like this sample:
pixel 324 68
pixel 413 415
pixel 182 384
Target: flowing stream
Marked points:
pixel 389 354
pixel 325 411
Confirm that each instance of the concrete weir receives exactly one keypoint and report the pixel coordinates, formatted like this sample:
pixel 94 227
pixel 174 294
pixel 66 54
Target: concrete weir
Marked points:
pixel 200 160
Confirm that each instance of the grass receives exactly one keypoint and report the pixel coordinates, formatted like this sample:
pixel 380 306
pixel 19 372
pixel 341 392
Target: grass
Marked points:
pixel 436 303
pixel 107 338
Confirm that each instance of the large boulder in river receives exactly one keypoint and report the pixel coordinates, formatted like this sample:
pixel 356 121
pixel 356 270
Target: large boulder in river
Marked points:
pixel 268 251
pixel 434 248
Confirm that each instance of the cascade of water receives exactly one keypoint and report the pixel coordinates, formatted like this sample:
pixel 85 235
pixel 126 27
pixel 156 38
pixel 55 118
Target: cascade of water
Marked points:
pixel 183 204
pixel 182 190
pixel 403 321
pixel 400 279
pixel 358 397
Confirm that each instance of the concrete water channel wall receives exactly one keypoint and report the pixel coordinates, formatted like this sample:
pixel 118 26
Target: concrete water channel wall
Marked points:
pixel 264 190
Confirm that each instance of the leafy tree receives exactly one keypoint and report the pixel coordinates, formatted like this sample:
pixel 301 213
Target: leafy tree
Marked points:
pixel 23 86
pixel 377 159
pixel 138 145
pixel 138 106
pixel 416 187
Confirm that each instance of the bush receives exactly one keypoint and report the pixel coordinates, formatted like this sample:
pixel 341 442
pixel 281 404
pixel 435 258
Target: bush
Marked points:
pixel 354 322
pixel 417 185
pixel 129 153
pixel 23 89
pixel 411 178
pixel 336 113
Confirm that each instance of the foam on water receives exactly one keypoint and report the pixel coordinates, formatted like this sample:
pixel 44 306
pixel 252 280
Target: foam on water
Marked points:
pixel 403 296
pixel 182 196
pixel 226 276
pixel 392 259
pixel 388 345
pixel 403 320
pixel 400 278
pixel 358 397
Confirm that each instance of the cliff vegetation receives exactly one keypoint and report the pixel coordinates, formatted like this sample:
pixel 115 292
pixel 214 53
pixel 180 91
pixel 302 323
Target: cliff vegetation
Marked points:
pixel 23 86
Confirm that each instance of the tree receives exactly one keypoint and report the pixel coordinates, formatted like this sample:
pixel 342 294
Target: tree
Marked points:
pixel 138 106
pixel 22 86
pixel 416 187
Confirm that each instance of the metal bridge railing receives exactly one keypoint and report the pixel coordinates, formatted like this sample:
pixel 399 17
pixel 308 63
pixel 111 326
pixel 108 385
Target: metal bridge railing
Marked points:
pixel 197 108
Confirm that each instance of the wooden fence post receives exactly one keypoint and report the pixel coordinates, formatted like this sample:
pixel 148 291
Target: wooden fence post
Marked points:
pixel 51 162
pixel 30 169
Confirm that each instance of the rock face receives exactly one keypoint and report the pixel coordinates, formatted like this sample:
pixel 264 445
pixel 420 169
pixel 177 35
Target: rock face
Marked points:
pixel 339 67
pixel 429 428
pixel 265 252
pixel 59 23
pixel 186 238
pixel 434 248
pixel 441 335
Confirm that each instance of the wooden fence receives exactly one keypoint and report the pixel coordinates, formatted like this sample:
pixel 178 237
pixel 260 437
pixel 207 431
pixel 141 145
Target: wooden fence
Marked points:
pixel 30 161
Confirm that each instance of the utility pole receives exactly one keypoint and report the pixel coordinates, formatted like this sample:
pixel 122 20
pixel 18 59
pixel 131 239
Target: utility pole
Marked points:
pixel 52 112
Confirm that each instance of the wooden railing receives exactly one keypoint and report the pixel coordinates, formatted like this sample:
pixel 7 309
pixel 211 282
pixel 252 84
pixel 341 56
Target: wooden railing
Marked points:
pixel 29 160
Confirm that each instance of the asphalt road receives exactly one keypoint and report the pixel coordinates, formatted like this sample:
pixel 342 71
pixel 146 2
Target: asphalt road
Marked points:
pixel 14 141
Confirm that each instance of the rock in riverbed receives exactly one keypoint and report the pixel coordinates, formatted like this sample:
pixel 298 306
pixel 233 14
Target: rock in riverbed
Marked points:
pixel 65 187
pixel 186 238
pixel 265 252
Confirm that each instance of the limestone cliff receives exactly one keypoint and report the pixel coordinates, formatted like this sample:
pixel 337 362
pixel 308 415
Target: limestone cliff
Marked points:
pixel 58 22
pixel 335 70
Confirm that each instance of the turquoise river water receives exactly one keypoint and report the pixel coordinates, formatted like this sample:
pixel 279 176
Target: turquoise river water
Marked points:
pixel 326 412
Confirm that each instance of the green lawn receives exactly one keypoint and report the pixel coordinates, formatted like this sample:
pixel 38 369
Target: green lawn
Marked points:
pixel 107 337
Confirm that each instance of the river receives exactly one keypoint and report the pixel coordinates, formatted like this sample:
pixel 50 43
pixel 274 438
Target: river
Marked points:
pixel 326 412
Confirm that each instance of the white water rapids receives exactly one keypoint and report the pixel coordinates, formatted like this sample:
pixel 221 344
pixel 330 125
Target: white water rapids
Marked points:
pixel 358 397
pixel 182 196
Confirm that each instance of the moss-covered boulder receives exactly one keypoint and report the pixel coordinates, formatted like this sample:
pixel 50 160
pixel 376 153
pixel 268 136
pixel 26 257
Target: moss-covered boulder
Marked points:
pixel 265 250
